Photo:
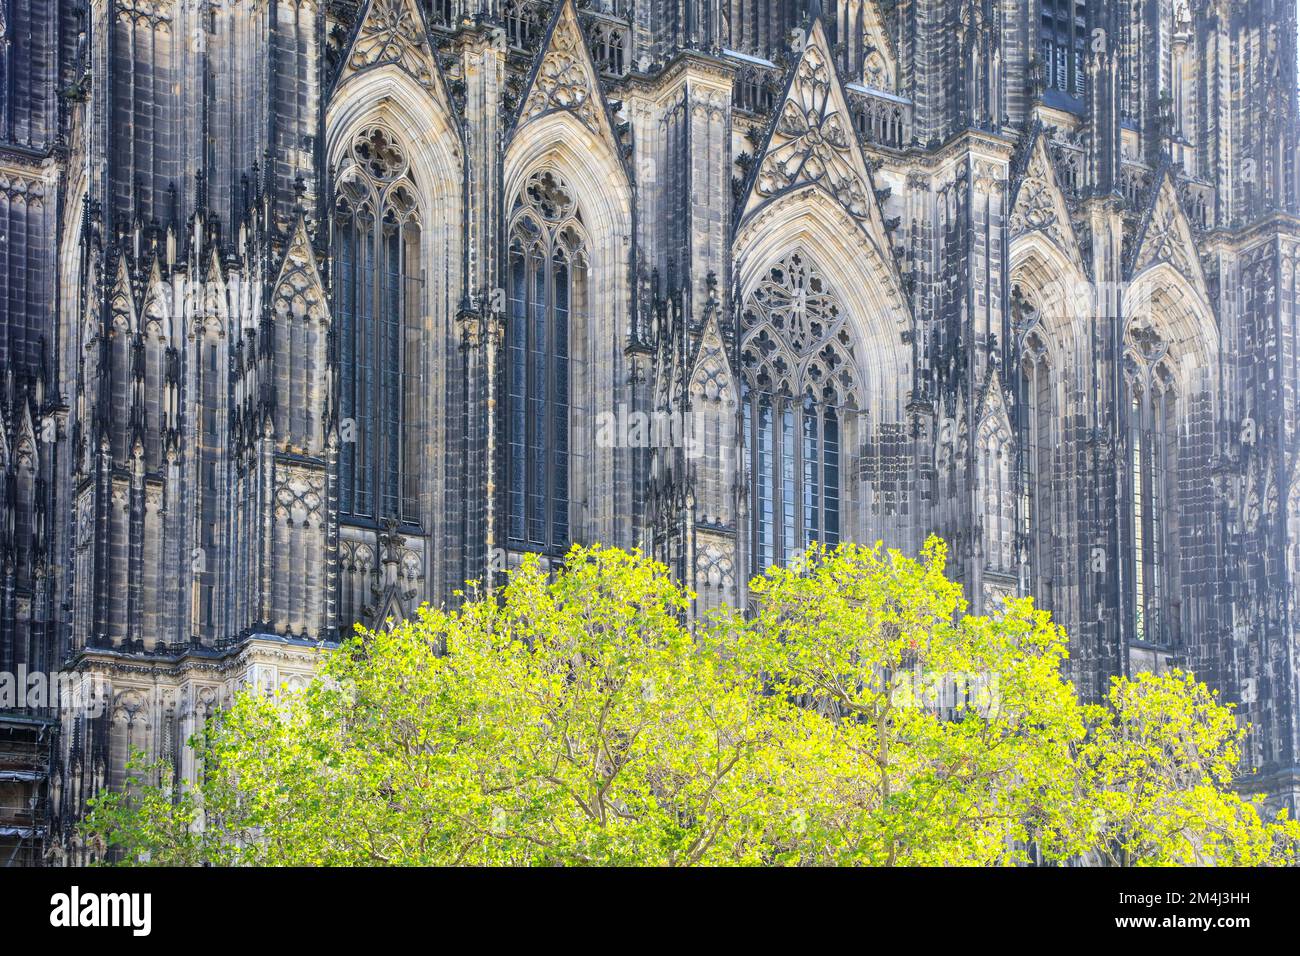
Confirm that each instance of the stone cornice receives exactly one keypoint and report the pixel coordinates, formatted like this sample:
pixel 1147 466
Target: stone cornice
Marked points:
pixel 259 648
pixel 1278 224
pixel 686 61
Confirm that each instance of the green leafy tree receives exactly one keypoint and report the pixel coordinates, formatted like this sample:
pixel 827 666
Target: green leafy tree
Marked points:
pixel 576 720
pixel 1159 765
pixel 856 717
pixel 151 820
pixel 953 733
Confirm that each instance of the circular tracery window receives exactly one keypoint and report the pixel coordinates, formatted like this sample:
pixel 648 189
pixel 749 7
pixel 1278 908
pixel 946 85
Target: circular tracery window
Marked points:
pixel 378 153
pixel 550 196
pixel 796 339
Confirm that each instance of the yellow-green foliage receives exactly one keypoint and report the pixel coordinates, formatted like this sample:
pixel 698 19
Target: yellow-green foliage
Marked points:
pixel 574 719
pixel 1159 767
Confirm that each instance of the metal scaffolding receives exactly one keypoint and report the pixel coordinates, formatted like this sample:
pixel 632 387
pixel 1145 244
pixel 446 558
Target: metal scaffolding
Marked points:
pixel 26 751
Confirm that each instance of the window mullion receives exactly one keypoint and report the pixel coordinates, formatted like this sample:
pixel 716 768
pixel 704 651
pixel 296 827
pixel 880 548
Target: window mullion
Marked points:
pixel 548 398
pixel 377 319
pixel 778 480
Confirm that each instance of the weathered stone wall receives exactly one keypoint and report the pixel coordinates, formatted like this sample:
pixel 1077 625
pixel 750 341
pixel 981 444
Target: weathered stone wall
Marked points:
pixel 1054 314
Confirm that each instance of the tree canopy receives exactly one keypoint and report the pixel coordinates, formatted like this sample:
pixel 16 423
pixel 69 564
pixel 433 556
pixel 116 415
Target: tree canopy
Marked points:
pixel 856 716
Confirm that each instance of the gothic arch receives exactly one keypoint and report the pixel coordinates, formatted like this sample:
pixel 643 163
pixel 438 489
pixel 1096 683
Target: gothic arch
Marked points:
pixel 1171 371
pixel 208 312
pixel 387 97
pixel 559 144
pixel 995 459
pixel 558 140
pixel 121 336
pixel 1162 300
pixel 158 311
pixel 872 316
pixel 1052 300
pixel 876 312
pixel 156 339
pixel 801 408
pixel 1053 285
pixel 547 286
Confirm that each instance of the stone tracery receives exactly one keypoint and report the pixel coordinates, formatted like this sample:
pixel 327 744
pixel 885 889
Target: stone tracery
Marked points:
pixel 546 292
pixel 796 338
pixel 158 463
pixel 813 140
pixel 800 388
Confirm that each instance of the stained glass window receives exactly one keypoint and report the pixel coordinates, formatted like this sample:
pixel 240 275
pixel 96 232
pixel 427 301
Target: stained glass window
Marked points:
pixel 1152 444
pixel 546 295
pixel 378 296
pixel 799 386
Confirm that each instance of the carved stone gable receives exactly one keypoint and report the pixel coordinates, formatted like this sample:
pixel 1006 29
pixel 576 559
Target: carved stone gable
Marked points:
pixel 1167 237
pixel 566 79
pixel 298 290
pixel 711 379
pixel 394 32
pixel 1040 205
pixel 813 140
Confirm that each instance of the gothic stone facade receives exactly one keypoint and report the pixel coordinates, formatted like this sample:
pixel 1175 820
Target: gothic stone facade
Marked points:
pixel 314 309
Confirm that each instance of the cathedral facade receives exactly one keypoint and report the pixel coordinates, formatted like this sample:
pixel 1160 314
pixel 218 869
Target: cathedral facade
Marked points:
pixel 312 310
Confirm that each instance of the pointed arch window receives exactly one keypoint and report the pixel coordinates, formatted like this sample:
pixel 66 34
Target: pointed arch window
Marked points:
pixel 121 345
pixel 154 347
pixel 1152 486
pixel 1036 416
pixel 547 290
pixel 378 304
pixel 997 505
pixel 799 390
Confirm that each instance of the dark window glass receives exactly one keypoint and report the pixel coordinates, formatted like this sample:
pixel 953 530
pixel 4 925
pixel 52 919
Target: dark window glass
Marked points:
pixel 378 296
pixel 798 359
pixel 546 275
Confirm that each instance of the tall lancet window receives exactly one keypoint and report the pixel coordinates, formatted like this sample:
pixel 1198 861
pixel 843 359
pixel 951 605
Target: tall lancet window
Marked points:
pixel 378 304
pixel 1153 443
pixel 547 286
pixel 800 391
pixel 1036 415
